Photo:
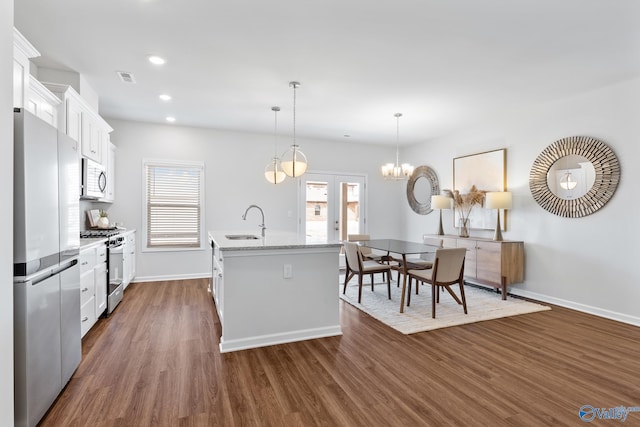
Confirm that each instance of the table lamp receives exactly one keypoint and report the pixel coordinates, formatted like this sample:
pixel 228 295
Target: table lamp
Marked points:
pixel 440 202
pixel 498 200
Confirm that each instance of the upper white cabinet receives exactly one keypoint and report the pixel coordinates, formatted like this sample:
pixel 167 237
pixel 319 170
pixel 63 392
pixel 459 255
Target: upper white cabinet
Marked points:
pixel 41 102
pixel 28 92
pixel 78 120
pixel 22 51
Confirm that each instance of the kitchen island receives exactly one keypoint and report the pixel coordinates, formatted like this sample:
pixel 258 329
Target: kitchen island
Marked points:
pixel 274 289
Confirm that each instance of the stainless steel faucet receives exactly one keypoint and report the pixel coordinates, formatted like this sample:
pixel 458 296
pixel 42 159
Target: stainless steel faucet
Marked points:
pixel 262 226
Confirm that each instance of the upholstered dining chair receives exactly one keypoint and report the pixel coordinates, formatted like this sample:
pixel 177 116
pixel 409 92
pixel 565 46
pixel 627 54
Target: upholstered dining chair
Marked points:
pixel 367 253
pixel 423 263
pixel 356 265
pixel 448 269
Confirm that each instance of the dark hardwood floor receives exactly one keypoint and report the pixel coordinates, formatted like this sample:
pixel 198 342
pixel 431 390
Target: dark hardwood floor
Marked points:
pixel 156 361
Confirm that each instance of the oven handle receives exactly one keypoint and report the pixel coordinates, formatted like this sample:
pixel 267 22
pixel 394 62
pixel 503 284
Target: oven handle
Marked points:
pixel 116 249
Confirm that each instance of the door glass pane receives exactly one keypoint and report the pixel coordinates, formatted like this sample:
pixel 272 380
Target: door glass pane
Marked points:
pixel 316 211
pixel 349 209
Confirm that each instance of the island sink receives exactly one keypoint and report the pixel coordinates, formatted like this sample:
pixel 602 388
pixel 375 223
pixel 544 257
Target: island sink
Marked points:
pixel 241 237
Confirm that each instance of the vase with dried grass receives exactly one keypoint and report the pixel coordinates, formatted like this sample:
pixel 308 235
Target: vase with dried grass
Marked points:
pixel 463 204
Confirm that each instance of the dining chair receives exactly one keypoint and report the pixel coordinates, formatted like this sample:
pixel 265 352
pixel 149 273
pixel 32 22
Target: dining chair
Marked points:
pixel 367 253
pixel 356 265
pixel 424 262
pixel 448 269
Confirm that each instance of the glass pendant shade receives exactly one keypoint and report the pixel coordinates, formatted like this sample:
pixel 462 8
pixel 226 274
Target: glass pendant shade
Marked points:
pixel 568 182
pixel 273 172
pixel 294 162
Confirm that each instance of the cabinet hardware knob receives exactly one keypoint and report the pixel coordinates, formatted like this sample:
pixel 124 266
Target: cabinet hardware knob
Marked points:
pixel 85 289
pixel 84 319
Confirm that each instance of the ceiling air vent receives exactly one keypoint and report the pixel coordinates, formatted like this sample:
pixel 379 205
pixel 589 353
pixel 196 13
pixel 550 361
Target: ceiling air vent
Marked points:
pixel 126 76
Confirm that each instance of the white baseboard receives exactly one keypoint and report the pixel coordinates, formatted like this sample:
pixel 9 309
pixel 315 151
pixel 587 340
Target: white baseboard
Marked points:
pixel 596 311
pixel 139 279
pixel 283 338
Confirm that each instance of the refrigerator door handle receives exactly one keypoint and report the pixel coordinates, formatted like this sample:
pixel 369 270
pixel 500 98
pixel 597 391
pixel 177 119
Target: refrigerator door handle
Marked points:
pixel 45 274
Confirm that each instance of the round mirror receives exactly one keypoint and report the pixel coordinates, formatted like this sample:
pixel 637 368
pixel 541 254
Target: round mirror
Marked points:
pixel 554 179
pixel 571 177
pixel 422 184
pixel 422 190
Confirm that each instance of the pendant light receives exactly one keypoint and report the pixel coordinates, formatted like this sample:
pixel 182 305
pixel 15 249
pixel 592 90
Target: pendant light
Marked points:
pixel 294 162
pixel 273 172
pixel 568 182
pixel 396 171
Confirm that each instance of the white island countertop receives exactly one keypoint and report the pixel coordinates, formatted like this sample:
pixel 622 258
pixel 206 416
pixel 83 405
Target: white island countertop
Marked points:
pixel 272 240
pixel 274 290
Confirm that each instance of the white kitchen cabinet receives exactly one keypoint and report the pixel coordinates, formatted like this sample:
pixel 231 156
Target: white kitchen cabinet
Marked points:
pixel 129 258
pixel 22 51
pixel 218 280
pixel 87 289
pixel 78 120
pixel 41 102
pixel 72 122
pixel 93 285
pixel 92 137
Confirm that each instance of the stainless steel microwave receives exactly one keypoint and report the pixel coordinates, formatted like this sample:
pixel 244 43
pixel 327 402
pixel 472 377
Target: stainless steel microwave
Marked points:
pixel 94 179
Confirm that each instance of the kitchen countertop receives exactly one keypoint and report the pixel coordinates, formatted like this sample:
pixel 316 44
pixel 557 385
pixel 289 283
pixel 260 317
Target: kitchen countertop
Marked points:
pixel 272 240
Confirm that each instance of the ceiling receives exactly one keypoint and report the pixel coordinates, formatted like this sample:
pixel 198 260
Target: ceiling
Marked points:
pixel 444 64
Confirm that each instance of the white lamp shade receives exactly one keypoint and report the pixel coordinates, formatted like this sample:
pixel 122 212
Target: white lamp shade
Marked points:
pixel 274 173
pixel 441 202
pixel 498 200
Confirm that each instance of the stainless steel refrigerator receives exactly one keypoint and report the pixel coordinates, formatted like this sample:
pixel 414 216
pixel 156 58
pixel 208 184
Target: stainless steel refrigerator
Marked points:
pixel 46 241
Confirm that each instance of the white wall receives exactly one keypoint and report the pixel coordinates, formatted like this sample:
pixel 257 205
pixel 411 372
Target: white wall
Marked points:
pixel 585 263
pixel 6 213
pixel 234 165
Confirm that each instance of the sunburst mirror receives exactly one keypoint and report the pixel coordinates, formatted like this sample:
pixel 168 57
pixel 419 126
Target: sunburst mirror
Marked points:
pixel 422 184
pixel 574 176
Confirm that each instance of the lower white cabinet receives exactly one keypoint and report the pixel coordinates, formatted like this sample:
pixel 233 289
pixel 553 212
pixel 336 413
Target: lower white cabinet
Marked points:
pixel 87 289
pixel 129 258
pixel 93 285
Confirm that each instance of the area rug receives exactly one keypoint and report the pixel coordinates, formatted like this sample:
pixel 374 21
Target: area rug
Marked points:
pixel 482 304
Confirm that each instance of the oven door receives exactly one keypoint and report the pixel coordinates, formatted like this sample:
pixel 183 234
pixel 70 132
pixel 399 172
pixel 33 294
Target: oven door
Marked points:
pixel 116 288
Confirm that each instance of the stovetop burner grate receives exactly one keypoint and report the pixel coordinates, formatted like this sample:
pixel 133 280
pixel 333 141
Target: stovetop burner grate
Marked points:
pixel 99 233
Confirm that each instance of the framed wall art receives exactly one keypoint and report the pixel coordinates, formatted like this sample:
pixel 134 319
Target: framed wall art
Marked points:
pixel 488 172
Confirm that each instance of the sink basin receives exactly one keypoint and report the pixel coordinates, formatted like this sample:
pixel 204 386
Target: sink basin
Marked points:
pixel 241 237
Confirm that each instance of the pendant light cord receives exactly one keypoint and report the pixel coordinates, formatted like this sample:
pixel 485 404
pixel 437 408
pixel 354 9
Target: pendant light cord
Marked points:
pixel 295 86
pixel 275 131
pixel 398 115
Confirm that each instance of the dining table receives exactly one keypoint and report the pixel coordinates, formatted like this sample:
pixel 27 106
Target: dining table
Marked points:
pixel 402 248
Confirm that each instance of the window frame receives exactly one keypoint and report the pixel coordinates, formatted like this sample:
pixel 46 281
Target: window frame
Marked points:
pixel 145 226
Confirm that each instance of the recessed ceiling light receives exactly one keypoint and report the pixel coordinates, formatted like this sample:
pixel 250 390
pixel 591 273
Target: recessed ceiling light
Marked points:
pixel 171 119
pixel 165 97
pixel 156 60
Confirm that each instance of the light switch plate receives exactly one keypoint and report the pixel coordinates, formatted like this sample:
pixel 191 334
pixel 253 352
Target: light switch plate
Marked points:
pixel 287 271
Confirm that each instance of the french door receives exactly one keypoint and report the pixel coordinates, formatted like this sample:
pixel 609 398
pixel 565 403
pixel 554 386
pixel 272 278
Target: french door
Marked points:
pixel 332 206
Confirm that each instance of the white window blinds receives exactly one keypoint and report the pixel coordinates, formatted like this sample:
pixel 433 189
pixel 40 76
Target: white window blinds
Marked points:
pixel 173 204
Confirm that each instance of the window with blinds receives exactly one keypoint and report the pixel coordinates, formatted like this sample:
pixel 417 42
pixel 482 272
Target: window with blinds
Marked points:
pixel 174 201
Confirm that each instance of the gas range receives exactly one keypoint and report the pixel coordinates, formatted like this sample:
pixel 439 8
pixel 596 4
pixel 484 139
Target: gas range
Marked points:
pixel 114 235
pixel 100 233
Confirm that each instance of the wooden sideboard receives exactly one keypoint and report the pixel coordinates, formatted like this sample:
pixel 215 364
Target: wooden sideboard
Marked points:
pixel 488 262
